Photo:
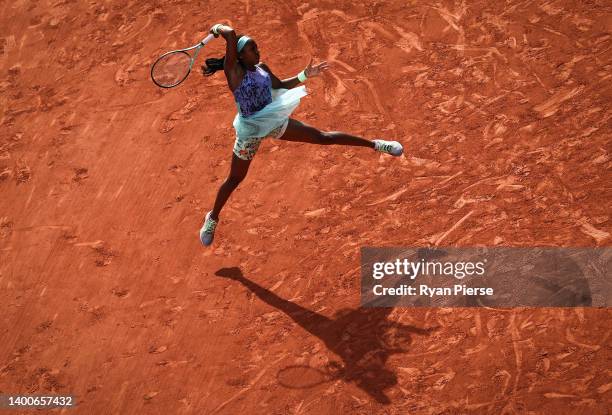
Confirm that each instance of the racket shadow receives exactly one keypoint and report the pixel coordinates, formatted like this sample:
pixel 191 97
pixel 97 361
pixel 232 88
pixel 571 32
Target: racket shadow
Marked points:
pixel 363 338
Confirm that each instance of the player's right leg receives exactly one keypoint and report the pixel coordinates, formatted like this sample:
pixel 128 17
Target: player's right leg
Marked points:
pixel 244 150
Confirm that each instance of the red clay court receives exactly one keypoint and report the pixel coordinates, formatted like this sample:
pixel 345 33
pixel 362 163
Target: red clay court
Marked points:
pixel 107 294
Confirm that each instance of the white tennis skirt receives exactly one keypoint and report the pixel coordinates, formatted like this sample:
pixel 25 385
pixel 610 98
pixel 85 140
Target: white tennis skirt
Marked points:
pixel 260 123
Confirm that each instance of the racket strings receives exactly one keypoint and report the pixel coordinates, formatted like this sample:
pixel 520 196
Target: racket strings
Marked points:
pixel 171 69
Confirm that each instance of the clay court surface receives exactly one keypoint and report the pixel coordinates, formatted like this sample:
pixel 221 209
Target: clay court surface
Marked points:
pixel 106 293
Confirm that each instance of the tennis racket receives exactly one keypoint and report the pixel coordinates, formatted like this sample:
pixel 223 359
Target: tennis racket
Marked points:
pixel 173 67
pixel 305 377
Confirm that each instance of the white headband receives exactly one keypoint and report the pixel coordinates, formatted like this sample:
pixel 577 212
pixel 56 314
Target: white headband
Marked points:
pixel 242 41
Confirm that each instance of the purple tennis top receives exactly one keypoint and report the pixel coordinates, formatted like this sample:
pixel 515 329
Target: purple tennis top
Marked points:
pixel 254 92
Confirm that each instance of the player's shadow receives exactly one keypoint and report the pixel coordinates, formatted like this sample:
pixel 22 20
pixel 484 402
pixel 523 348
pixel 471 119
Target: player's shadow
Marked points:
pixel 364 338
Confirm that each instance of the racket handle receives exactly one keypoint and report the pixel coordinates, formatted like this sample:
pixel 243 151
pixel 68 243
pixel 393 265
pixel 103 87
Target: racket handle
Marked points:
pixel 207 39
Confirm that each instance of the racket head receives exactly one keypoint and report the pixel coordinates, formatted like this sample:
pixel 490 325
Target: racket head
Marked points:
pixel 305 377
pixel 171 68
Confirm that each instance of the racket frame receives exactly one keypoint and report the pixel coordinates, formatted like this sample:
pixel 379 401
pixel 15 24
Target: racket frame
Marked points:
pixel 326 376
pixel 197 48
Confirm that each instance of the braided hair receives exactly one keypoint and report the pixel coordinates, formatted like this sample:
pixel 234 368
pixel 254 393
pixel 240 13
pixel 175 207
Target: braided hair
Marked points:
pixel 216 64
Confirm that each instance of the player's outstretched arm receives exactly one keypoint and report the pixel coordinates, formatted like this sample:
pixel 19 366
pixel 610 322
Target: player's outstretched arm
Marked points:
pixel 309 72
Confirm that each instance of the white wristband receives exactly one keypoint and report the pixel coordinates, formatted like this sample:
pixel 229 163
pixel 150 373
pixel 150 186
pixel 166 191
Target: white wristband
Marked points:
pixel 215 28
pixel 302 76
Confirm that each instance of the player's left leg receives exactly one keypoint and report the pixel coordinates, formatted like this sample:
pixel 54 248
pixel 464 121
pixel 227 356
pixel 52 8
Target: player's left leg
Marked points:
pixel 302 132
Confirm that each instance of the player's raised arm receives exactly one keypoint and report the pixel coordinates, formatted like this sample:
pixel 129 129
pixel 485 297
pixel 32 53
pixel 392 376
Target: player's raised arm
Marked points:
pixel 231 51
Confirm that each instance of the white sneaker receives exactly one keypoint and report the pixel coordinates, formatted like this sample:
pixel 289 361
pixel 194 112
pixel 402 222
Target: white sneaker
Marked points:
pixel 207 231
pixel 390 147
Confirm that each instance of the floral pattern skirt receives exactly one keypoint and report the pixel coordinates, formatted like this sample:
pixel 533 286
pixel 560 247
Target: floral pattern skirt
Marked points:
pixel 246 147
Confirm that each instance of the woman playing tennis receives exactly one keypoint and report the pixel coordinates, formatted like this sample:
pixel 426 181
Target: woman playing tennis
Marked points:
pixel 265 104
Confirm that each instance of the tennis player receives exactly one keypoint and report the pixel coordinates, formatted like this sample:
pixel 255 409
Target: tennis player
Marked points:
pixel 265 104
